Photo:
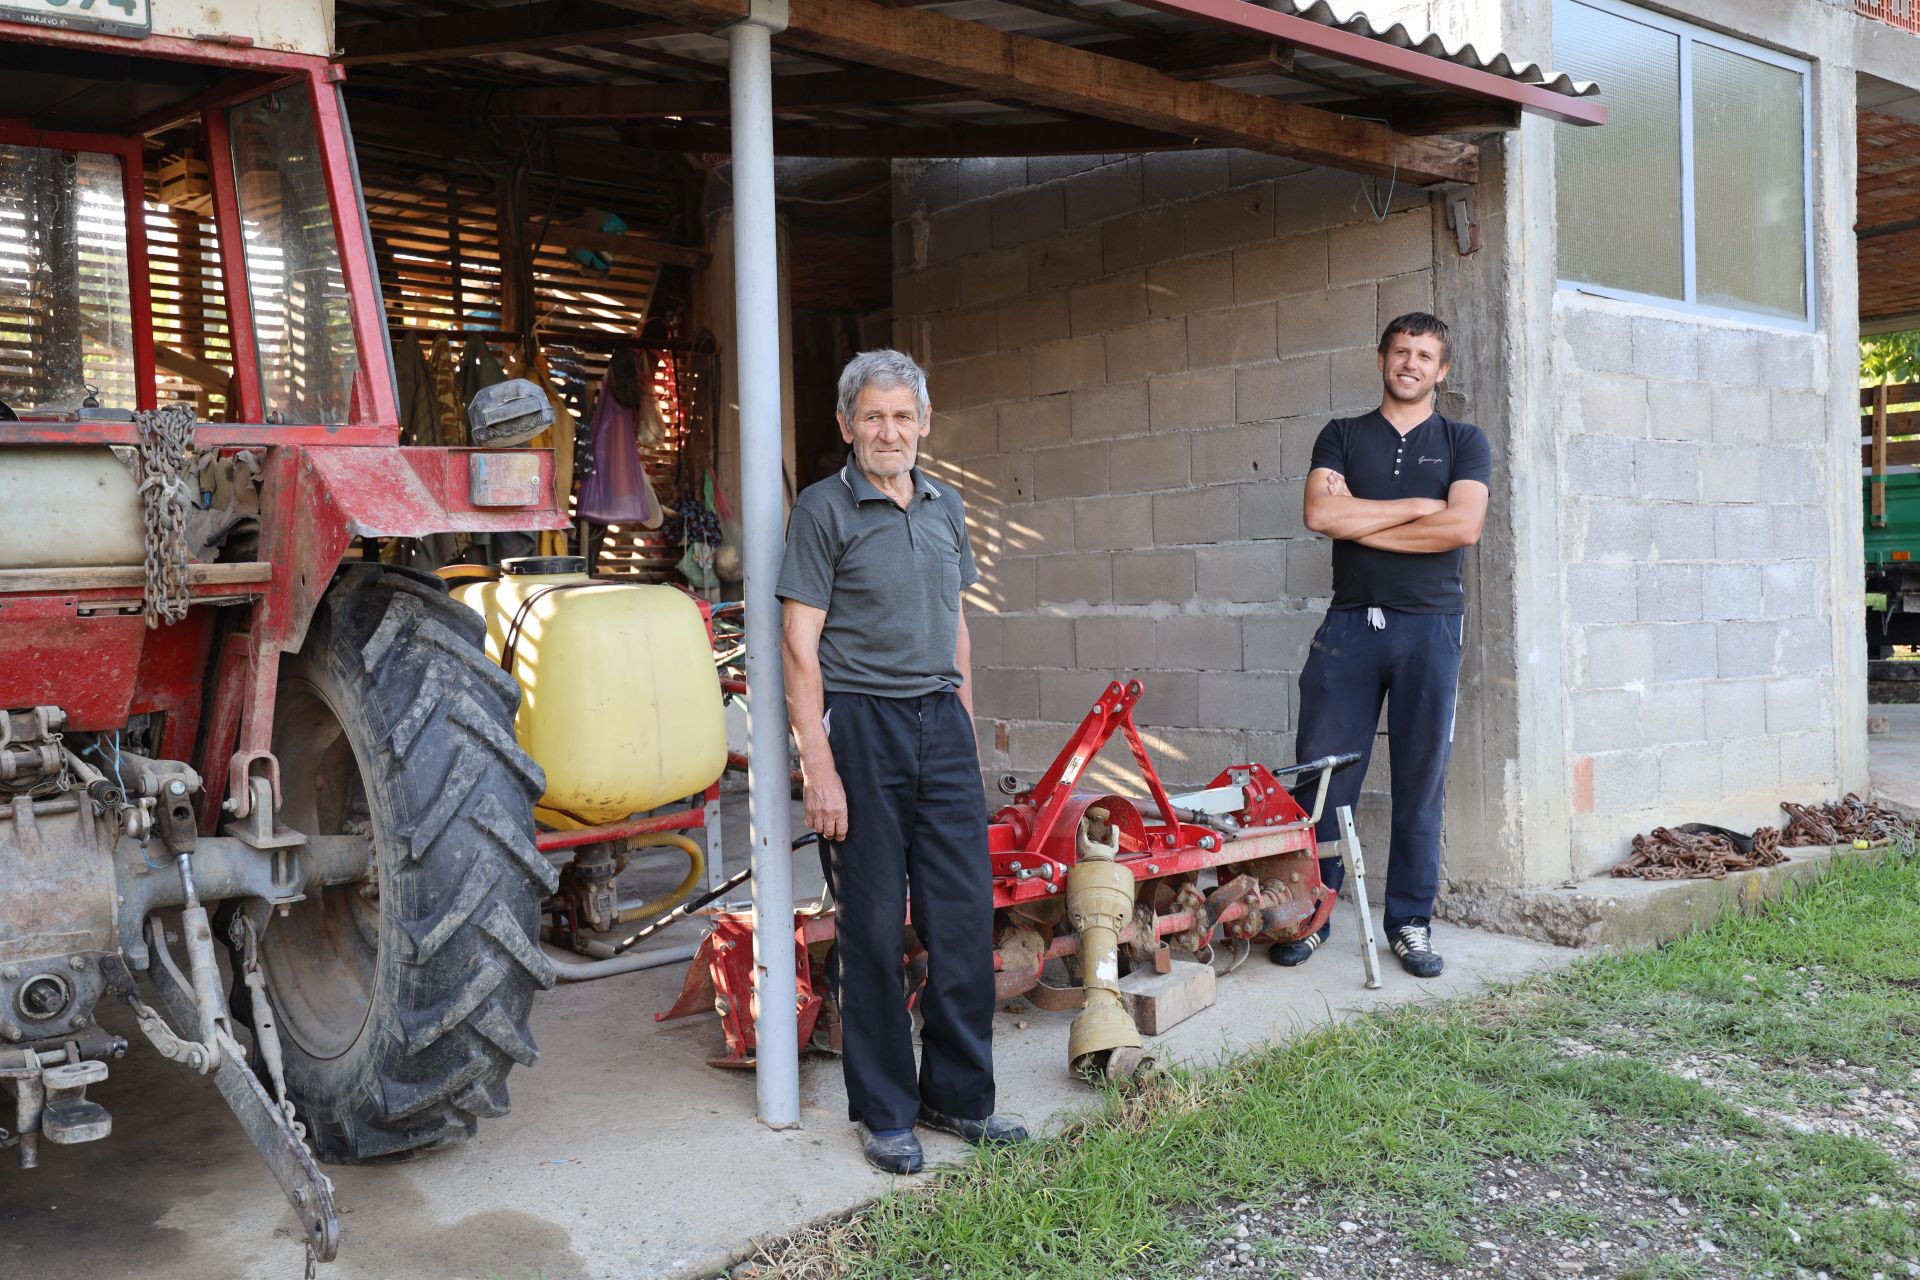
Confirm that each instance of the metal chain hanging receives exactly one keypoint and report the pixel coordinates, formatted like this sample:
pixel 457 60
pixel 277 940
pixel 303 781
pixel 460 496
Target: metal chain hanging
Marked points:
pixel 166 463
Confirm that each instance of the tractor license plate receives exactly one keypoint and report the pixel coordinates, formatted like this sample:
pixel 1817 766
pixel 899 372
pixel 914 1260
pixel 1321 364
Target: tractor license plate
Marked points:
pixel 504 479
pixel 117 17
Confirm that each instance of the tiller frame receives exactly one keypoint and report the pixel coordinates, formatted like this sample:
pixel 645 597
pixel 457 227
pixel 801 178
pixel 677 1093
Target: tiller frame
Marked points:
pixel 1245 826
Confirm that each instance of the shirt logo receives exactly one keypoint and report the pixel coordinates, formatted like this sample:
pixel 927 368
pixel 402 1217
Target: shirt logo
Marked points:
pixel 1426 459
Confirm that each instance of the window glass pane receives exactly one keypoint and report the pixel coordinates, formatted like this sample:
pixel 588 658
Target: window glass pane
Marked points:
pixel 1749 189
pixel 301 320
pixel 1618 184
pixel 66 314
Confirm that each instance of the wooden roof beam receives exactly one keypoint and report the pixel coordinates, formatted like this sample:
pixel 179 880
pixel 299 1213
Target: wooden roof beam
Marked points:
pixel 528 28
pixel 996 64
pixel 710 97
pixel 1083 137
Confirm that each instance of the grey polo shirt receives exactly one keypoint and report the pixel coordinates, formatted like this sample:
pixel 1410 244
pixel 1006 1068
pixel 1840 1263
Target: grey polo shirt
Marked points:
pixel 889 579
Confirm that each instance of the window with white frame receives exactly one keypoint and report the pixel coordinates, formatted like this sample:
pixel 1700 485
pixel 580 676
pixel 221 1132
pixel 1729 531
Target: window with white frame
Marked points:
pixel 1696 192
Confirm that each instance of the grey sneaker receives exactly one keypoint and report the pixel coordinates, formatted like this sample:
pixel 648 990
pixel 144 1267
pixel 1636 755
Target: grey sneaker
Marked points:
pixel 992 1131
pixel 1413 943
pixel 897 1154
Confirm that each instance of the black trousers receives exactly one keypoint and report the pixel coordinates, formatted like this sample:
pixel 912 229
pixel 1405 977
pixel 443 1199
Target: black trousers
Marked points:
pixel 916 817
pixel 1412 662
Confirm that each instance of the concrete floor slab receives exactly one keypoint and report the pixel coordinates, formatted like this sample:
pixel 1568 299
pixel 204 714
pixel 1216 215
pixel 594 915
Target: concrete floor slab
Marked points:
pixel 625 1156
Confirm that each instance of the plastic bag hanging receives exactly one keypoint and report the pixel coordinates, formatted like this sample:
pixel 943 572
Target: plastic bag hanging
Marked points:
pixel 618 491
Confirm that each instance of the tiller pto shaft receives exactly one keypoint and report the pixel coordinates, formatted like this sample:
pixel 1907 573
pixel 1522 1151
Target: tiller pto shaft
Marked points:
pixel 1111 880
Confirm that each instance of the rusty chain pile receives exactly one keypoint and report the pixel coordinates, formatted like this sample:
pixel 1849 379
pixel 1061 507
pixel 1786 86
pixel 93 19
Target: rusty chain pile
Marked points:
pixel 167 493
pixel 1697 853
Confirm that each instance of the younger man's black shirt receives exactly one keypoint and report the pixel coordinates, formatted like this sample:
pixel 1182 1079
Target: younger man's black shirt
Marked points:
pixel 1380 464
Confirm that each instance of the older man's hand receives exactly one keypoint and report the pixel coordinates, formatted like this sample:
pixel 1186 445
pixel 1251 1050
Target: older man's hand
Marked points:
pixel 826 799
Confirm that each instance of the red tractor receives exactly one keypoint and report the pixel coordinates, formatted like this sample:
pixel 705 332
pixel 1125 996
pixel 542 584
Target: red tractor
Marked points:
pixel 214 734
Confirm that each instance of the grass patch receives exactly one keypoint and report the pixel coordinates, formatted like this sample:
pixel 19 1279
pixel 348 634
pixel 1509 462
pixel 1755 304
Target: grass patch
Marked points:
pixel 1404 1112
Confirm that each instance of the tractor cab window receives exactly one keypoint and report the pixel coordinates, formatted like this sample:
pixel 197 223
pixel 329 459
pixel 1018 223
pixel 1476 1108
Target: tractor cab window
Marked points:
pixel 66 311
pixel 303 326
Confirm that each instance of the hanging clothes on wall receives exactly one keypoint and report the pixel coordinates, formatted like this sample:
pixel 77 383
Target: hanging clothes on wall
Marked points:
pixel 478 370
pixel 419 413
pixel 449 409
pixel 559 437
pixel 619 490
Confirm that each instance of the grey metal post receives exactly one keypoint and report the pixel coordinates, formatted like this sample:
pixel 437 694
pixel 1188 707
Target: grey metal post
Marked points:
pixel 1357 882
pixel 756 291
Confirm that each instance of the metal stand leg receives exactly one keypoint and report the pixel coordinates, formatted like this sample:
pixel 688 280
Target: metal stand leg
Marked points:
pixel 1357 878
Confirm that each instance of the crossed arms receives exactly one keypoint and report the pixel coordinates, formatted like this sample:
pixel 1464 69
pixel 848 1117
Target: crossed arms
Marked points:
pixel 1395 524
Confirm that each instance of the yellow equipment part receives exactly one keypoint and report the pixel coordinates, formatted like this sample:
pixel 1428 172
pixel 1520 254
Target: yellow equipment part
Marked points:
pixel 620 702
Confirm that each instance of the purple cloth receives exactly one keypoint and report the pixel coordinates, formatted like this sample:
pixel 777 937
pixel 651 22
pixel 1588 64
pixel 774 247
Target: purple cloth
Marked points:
pixel 618 491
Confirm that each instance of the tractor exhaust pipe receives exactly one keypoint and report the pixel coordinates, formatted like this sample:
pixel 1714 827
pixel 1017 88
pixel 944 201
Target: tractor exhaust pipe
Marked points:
pixel 1104 1041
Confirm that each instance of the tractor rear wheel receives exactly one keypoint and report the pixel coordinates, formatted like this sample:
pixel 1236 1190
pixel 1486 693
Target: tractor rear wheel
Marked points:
pixel 402 1000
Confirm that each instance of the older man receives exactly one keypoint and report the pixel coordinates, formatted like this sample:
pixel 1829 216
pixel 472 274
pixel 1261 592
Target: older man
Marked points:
pixel 876 657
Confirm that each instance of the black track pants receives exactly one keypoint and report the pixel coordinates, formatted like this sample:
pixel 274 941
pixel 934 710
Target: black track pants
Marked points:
pixel 915 816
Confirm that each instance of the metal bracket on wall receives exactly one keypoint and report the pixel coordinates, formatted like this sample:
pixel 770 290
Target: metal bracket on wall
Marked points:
pixel 1466 226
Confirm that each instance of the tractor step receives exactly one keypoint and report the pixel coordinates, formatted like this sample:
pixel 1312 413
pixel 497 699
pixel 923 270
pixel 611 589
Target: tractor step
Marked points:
pixel 75 1120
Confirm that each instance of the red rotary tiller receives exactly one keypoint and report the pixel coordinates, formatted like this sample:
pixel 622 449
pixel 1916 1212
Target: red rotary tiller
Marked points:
pixel 1107 880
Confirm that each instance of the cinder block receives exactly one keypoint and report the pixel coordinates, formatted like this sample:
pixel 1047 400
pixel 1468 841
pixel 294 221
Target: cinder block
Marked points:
pixel 1298 436
pixel 956 335
pixel 1801 532
pixel 1732 473
pixel 1613 404
pixel 1083 577
pixel 1671 592
pixel 919 293
pixel 989 277
pixel 963 433
pixel 1356 380
pixel 1149 577
pixel 1196 400
pixel 1190 284
pixel 1230 218
pixel 1795 361
pixel 925 184
pixel 1624 781
pixel 1685 651
pixel 1286 389
pixel 1806 644
pixel 1600 341
pixel 1732 356
pixel 1679 410
pixel 1041 528
pixel 1400 294
pixel 1112 302
pixel 1279 641
pixel 1158 1002
pixel 1246 700
pixel 1113 644
pixel 1064 260
pixel 1254 166
pixel 1007 585
pixel 1112 523
pixel 1029 213
pixel 1605 719
pixel 1066 696
pixel 1788 473
pixel 1197 643
pixel 1374 250
pixel 1105 192
pixel 1736 708
pixel 1664 469
pixel 1799 417
pixel 1741 415
pixel 1788 589
pixel 1006 694
pixel 1329 321
pixel 983 380
pixel 1689 775
pixel 1272 509
pixel 1171 701
pixel 1236 335
pixel 1110 411
pixel 1297 264
pixel 959 233
pixel 1078 471
pixel 1151 462
pixel 1798 703
pixel 1673 713
pixel 1732 591
pixel 984 631
pixel 1159 346
pixel 981 178
pixel 1211 514
pixel 1182 175
pixel 1749 765
pixel 1745 532
pixel 1807 768
pixel 1242 572
pixel 1602 593
pixel 1137 239
pixel 1054 168
pixel 1746 648
pixel 1030 320
pixel 1035 423
pixel 1684 532
pixel 1309 568
pixel 1618 656
pixel 1068 365
pixel 1617 530
pixel 1665 348
pixel 1037 641
pixel 1600 466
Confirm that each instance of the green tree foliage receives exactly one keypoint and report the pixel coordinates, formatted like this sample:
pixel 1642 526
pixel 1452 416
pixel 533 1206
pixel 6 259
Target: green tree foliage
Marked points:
pixel 1890 358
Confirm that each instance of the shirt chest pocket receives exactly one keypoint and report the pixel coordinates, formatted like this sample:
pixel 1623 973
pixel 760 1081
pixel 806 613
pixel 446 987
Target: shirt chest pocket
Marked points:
pixel 939 555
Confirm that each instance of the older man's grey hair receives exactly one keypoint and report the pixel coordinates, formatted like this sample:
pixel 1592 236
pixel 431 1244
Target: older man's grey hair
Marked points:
pixel 883 370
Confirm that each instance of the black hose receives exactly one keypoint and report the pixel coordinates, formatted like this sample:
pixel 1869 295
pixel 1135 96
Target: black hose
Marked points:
pixel 686 909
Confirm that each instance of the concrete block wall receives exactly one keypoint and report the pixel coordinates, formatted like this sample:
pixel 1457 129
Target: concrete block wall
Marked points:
pixel 1130 360
pixel 1701 585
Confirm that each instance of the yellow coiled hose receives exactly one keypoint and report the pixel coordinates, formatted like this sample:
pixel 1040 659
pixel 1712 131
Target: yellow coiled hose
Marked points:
pixel 696 870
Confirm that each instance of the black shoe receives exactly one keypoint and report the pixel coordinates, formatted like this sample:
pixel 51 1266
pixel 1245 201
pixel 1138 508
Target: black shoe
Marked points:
pixel 897 1154
pixel 1413 943
pixel 993 1131
pixel 1300 950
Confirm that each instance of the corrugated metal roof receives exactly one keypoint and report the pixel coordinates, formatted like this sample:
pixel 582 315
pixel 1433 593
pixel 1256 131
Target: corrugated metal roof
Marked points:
pixel 1353 18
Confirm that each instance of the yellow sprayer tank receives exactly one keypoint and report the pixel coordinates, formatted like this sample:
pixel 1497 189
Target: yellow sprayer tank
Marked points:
pixel 620 702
